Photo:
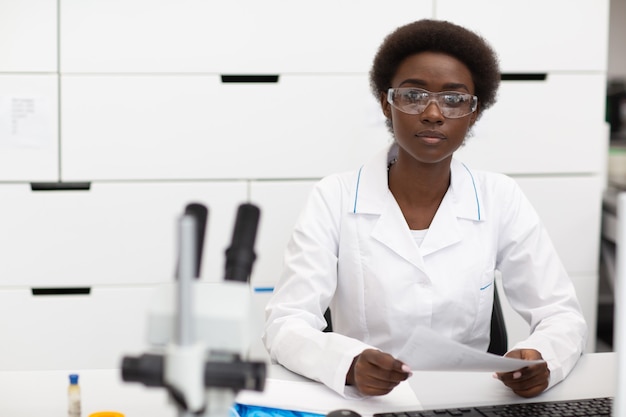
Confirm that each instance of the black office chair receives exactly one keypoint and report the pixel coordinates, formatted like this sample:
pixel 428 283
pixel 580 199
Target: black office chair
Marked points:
pixel 329 326
pixel 499 341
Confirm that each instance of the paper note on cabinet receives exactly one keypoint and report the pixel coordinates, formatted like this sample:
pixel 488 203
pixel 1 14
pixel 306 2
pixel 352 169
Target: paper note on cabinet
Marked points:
pixel 24 121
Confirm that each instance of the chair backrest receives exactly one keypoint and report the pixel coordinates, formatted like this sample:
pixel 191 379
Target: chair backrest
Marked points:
pixel 498 343
pixel 329 326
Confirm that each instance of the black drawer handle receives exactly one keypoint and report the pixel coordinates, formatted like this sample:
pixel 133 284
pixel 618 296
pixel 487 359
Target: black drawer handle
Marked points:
pixel 250 78
pixel 61 291
pixel 539 76
pixel 60 186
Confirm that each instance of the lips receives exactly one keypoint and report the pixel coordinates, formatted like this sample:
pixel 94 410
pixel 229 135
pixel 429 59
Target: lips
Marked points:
pixel 431 137
pixel 431 134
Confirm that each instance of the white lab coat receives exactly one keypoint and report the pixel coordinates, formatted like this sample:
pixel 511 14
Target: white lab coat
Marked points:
pixel 352 250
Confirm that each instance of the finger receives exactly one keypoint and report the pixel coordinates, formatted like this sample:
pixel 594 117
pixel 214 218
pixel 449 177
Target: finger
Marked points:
pixel 370 391
pixel 377 373
pixel 524 354
pixel 374 386
pixel 530 354
pixel 515 354
pixel 528 384
pixel 382 360
pixel 531 391
pixel 521 375
pixel 382 377
pixel 369 381
pixel 510 376
pixel 389 368
pixel 524 382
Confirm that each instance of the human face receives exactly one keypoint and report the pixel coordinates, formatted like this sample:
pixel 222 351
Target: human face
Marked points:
pixel 429 137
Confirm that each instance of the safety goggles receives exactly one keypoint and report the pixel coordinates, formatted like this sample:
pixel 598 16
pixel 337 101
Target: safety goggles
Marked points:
pixel 452 104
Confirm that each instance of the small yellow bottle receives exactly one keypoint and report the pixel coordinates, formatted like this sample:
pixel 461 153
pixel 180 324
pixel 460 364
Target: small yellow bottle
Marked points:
pixel 73 397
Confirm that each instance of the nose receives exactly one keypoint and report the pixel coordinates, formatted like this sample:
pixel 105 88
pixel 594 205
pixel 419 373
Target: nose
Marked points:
pixel 432 113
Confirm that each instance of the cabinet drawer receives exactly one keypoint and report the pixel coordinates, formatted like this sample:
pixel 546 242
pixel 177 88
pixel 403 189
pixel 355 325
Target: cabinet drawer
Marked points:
pixel 183 127
pixel 525 131
pixel 86 331
pixel 114 233
pixel 281 203
pixel 197 36
pixel 571 209
pixel 536 35
pixel 28 36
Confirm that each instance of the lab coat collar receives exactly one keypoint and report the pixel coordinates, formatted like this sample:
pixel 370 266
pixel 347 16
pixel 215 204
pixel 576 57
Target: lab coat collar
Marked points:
pixel 372 196
pixel 372 193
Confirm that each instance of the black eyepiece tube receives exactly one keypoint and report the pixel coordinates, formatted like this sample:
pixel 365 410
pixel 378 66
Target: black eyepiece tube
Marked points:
pixel 200 213
pixel 240 255
pixel 235 375
pixel 147 369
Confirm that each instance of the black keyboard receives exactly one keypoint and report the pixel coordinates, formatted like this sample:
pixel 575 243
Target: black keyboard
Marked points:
pixel 590 407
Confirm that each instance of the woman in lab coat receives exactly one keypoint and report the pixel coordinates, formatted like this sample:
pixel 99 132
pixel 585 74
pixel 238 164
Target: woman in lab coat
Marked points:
pixel 414 237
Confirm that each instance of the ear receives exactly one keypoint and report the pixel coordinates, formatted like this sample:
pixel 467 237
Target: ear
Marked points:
pixel 385 106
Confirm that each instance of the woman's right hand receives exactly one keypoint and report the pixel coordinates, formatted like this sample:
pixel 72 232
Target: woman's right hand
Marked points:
pixel 376 373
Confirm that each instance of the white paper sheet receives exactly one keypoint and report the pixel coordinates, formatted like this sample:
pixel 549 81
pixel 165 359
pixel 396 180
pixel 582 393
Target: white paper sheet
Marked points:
pixel 314 397
pixel 427 350
pixel 24 121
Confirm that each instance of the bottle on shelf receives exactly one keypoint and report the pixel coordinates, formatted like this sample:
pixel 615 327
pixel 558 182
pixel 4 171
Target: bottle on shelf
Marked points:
pixel 73 397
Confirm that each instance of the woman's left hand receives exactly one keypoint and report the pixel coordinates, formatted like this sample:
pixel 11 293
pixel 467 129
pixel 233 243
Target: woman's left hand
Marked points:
pixel 529 381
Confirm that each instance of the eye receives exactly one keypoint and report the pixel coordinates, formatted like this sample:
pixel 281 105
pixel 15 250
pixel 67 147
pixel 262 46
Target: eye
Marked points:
pixel 414 96
pixel 454 99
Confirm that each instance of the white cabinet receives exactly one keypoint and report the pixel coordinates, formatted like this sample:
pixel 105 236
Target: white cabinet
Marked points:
pixel 197 127
pixel 570 207
pixel 28 36
pixel 84 331
pixel 555 126
pixel 536 35
pixel 80 266
pixel 112 234
pixel 281 203
pixel 237 36
pixel 29 134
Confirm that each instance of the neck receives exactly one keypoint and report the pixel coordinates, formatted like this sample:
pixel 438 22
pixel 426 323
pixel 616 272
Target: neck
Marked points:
pixel 419 190
pixel 419 183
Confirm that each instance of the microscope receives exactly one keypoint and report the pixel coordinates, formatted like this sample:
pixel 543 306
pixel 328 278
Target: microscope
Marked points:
pixel 200 332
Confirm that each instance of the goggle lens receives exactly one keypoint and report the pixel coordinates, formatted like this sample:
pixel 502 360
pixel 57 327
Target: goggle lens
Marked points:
pixel 452 104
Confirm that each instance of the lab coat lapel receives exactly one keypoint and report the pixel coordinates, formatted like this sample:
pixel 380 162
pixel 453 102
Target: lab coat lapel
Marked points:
pixel 462 202
pixel 372 196
pixel 444 230
pixel 392 231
